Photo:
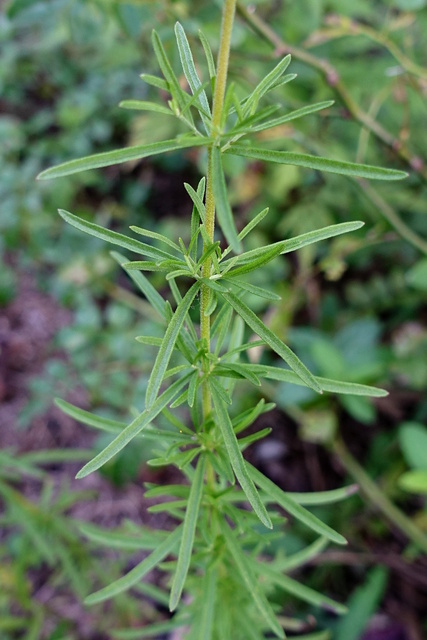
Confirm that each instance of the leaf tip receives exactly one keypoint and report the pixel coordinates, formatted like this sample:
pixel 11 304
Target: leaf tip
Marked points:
pixel 82 473
pixel 352 489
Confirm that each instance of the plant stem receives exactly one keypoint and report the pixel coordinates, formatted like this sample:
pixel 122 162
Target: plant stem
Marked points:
pixel 218 102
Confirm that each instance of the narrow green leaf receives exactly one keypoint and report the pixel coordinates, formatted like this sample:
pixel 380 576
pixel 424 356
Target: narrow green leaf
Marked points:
pixel 296 510
pixel 197 200
pixel 169 340
pixel 113 237
pixel 144 285
pixel 251 288
pixel 223 394
pixel 156 630
pixel 330 386
pixel 273 341
pixel 153 342
pixel 190 73
pixel 119 156
pixel 156 236
pixel 166 67
pixel 324 497
pixel 293 115
pixel 237 461
pixel 119 540
pixel 90 419
pixel 134 428
pixel 316 162
pixel 266 83
pixel 205 626
pixel 249 579
pixel 253 223
pixel 254 437
pixel 188 533
pixel 225 215
pixel 297 589
pixel 195 219
pixel 245 419
pixel 143 105
pixel 208 53
pixel 244 372
pixel 154 81
pixel 255 258
pixel 301 558
pixel 283 80
pixel 130 579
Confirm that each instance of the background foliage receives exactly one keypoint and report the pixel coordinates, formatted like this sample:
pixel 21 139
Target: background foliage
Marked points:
pixel 356 306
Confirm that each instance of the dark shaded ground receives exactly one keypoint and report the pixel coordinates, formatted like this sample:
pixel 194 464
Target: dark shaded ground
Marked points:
pixel 27 327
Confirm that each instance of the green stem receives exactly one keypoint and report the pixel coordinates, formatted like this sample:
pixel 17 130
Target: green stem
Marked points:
pixel 218 102
pixel 379 499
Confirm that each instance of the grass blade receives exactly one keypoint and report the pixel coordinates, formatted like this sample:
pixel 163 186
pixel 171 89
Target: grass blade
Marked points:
pixel 273 341
pixel 138 572
pixel 188 533
pixel 237 461
pixel 119 156
pixel 168 343
pixel 134 428
pixel 351 169
pixel 296 510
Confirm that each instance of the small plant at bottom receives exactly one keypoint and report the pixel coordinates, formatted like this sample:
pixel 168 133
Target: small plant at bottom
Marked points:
pixel 218 554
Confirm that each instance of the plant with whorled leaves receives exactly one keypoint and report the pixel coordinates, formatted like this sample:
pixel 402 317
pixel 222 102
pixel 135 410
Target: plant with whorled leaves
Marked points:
pixel 218 552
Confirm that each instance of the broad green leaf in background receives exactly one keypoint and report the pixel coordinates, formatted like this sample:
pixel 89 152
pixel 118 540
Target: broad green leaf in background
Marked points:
pixel 414 481
pixel 417 275
pixel 413 442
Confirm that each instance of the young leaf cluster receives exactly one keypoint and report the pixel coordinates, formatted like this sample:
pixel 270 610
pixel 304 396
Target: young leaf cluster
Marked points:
pixel 213 552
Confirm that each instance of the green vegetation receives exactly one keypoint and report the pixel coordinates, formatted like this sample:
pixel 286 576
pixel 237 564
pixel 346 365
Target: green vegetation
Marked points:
pixel 226 328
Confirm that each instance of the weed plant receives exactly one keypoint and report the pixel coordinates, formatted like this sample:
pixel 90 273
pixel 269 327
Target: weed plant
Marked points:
pixel 219 557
